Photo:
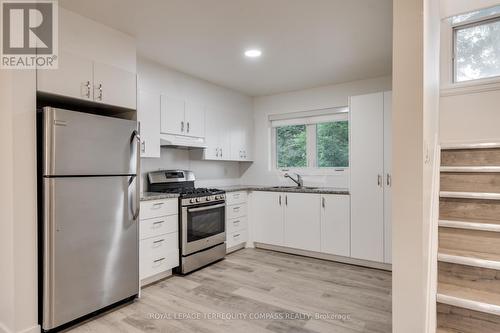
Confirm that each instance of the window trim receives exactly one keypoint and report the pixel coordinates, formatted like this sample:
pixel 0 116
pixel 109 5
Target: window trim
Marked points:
pixel 311 150
pixel 447 62
pixel 466 25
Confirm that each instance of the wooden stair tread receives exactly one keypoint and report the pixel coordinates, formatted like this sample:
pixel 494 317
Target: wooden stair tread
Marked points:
pixel 472 299
pixel 444 330
pixel 470 258
pixel 466 169
pixel 470 195
pixel 470 225
pixel 471 145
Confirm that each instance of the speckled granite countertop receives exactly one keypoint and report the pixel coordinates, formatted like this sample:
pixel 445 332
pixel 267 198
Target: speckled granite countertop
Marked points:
pixel 148 196
pixel 306 189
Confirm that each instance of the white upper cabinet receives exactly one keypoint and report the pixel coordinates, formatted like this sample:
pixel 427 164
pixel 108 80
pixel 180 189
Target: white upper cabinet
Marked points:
pixel 73 78
pixel 172 115
pixel 268 217
pixel 85 79
pixel 148 115
pixel 180 117
pixel 302 221
pixel 217 135
pixel 114 86
pixel 241 133
pixel 335 224
pixel 195 120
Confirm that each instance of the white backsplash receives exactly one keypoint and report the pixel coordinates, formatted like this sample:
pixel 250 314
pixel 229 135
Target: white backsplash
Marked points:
pixel 207 173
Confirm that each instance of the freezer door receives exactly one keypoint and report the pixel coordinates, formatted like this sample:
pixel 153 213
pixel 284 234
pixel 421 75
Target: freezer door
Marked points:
pixel 78 143
pixel 90 245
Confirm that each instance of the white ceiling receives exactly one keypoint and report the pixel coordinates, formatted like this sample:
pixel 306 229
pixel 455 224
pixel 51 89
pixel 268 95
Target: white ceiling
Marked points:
pixel 305 43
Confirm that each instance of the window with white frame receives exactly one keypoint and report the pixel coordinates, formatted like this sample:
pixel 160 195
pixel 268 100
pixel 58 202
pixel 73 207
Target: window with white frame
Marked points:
pixel 316 140
pixel 476 45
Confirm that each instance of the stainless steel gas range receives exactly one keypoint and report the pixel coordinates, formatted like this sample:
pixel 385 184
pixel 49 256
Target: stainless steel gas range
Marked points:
pixel 202 215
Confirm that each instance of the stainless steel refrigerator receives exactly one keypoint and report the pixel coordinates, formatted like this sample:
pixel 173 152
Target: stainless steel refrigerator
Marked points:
pixel 89 230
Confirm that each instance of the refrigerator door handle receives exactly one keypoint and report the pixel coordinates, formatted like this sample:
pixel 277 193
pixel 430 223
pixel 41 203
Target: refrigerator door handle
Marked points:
pixel 137 138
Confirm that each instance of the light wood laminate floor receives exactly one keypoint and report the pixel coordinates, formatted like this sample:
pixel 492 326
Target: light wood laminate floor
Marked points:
pixel 269 291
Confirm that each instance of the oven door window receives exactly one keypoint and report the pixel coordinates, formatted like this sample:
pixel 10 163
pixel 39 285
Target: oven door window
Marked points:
pixel 203 222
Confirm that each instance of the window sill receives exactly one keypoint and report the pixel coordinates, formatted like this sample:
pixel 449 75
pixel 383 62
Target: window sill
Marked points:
pixel 314 171
pixel 470 87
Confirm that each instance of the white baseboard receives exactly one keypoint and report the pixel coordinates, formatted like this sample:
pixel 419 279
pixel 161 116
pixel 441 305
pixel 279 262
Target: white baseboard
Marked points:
pixel 4 329
pixel 33 329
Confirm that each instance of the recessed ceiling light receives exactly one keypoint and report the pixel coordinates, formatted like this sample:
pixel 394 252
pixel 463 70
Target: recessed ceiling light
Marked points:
pixel 253 53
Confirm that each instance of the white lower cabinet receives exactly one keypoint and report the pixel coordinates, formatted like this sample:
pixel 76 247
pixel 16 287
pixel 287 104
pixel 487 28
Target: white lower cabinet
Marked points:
pixel 236 220
pixel 335 224
pixel 267 217
pixel 159 238
pixel 302 221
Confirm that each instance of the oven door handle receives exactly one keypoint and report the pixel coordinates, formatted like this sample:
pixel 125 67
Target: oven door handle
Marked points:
pixel 205 208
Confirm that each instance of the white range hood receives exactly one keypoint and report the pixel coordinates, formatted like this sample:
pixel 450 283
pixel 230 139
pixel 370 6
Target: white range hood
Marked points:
pixel 182 141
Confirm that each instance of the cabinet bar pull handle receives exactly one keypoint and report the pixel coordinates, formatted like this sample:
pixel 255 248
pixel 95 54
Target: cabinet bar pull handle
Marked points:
pixel 280 200
pixel 158 241
pixel 286 200
pixel 159 222
pixel 389 180
pixel 158 260
pixel 99 97
pixel 87 94
pixel 237 235
pixel 323 202
pixel 379 180
pixel 188 126
pixel 182 126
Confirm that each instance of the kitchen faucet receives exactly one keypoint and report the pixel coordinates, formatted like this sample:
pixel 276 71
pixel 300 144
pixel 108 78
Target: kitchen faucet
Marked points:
pixel 297 181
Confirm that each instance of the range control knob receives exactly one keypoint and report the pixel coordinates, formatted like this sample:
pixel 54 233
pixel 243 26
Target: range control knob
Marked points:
pixel 198 199
pixel 209 198
pixel 191 201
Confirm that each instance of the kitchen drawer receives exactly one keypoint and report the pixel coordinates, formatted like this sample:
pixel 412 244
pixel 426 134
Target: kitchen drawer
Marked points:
pixel 237 224
pixel 233 198
pixel 236 238
pixel 158 226
pixel 155 265
pixel 158 208
pixel 157 246
pixel 236 211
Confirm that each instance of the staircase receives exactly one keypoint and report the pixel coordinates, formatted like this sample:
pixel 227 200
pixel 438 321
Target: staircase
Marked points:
pixel 469 240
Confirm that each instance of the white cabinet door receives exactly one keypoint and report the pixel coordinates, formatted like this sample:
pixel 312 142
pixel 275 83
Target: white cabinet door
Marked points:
pixel 195 120
pixel 388 175
pixel 302 221
pixel 237 141
pixel 172 115
pixel 211 135
pixel 335 224
pixel 73 78
pixel 248 139
pixel 224 124
pixel 148 115
pixel 367 169
pixel 267 217
pixel 114 86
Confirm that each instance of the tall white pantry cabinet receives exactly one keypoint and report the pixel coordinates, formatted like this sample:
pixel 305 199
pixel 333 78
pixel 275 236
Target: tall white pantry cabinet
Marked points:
pixel 371 146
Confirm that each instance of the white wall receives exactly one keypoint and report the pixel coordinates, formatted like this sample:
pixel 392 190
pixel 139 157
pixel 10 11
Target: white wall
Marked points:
pixel 155 78
pixel 466 116
pixel 260 172
pixel 19 201
pixel 6 204
pixel 415 119
pixel 456 7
